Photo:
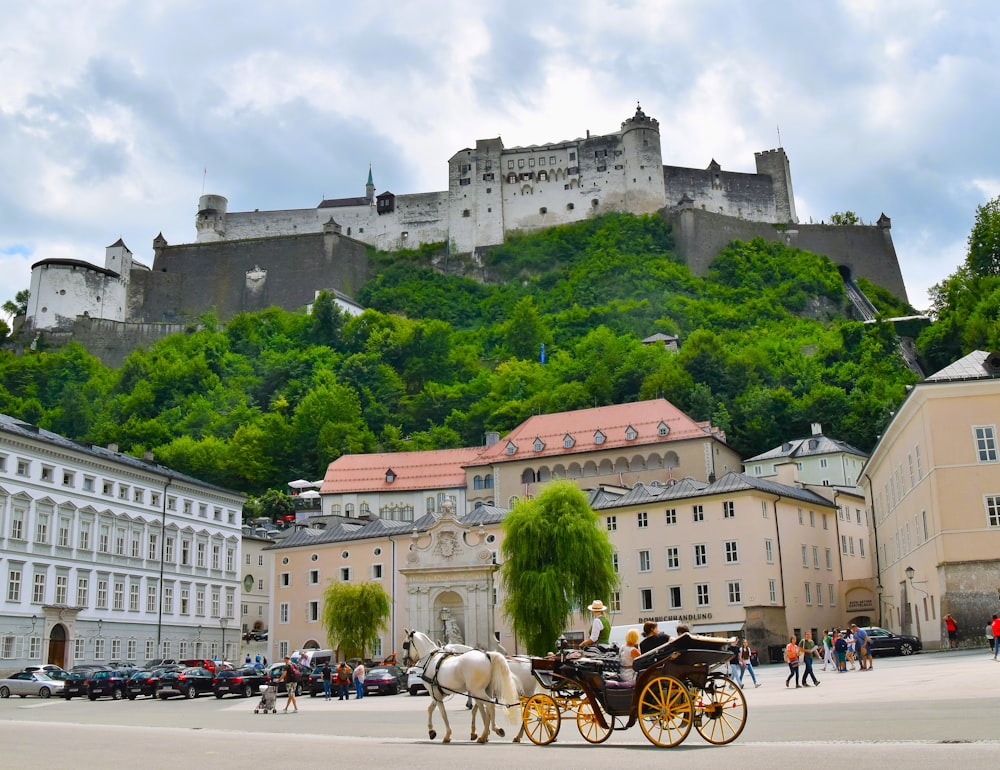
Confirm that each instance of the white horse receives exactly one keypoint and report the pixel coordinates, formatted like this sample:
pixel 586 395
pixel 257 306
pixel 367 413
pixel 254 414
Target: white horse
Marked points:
pixel 483 675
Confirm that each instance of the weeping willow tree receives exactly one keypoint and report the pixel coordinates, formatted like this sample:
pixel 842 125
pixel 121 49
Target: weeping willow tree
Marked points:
pixel 353 614
pixel 555 558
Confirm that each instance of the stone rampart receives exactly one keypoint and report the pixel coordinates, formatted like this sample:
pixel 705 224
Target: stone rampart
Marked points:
pixel 863 250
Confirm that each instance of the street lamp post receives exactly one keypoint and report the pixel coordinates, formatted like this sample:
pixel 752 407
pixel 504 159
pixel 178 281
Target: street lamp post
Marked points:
pixel 222 623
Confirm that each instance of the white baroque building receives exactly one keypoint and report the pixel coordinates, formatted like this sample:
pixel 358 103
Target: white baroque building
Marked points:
pixel 106 557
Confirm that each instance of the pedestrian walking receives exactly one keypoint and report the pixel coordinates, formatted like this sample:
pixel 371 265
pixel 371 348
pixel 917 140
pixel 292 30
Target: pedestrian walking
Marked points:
pixel 746 663
pixel 792 659
pixel 995 628
pixel 359 679
pixel 735 666
pixel 828 659
pixel 809 652
pixel 290 676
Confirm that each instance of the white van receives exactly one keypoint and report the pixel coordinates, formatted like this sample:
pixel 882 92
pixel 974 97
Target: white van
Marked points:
pixel 314 658
pixel 665 626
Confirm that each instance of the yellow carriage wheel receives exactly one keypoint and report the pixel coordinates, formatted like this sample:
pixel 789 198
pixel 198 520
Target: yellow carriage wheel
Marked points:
pixel 723 710
pixel 541 719
pixel 665 711
pixel 589 726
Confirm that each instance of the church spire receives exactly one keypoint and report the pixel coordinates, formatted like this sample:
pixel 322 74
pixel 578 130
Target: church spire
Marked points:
pixel 370 187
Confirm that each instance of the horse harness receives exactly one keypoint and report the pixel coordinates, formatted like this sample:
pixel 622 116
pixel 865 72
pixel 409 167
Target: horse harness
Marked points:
pixel 433 662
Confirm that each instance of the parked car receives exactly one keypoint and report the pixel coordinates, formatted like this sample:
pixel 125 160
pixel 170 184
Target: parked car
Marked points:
pixel 382 680
pixel 314 684
pixel 25 683
pixel 206 663
pixel 887 643
pixel 77 684
pixel 139 684
pixel 244 682
pixel 414 681
pixel 275 670
pixel 189 682
pixel 106 684
pixel 159 663
pixel 45 668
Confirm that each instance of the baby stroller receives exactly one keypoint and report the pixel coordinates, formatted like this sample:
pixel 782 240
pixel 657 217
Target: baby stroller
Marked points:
pixel 267 696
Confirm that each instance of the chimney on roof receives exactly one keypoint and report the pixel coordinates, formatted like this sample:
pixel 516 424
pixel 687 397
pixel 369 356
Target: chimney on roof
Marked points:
pixel 817 429
pixel 112 447
pixel 492 438
pixel 148 455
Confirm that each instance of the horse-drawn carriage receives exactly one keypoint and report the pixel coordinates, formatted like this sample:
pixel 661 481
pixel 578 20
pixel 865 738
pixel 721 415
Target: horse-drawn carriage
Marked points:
pixel 674 688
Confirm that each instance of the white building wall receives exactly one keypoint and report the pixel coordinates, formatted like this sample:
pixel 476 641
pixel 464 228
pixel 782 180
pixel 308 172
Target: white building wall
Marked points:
pixel 80 534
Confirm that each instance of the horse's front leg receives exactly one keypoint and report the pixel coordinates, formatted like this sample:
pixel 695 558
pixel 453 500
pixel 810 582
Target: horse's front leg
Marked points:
pixel 447 724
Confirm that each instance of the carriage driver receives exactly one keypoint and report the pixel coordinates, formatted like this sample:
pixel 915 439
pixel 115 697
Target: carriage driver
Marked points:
pixel 600 628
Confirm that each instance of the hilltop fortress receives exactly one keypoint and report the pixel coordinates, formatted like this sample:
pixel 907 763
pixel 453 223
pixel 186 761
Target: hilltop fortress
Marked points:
pixel 245 261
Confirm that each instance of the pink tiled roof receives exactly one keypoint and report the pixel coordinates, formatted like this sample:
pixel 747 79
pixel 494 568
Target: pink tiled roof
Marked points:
pixel 582 425
pixel 433 469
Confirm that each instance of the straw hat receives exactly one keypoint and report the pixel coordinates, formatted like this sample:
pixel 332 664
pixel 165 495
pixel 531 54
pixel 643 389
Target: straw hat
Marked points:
pixel 597 606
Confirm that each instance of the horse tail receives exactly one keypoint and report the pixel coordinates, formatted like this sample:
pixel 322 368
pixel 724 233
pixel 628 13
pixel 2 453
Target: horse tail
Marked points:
pixel 504 687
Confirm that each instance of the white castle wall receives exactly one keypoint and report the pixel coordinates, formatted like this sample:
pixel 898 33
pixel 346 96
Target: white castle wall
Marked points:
pixel 493 190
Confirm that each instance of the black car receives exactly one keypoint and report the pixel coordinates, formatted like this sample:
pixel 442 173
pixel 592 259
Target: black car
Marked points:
pixel 106 684
pixel 189 682
pixel 884 642
pixel 244 682
pixel 143 682
pixel 383 680
pixel 78 681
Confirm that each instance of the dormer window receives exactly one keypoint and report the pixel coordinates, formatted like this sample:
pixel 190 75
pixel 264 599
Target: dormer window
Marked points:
pixel 662 429
pixel 813 443
pixel 538 445
pixel 568 441
pixel 630 433
pixel 511 448
pixel 599 437
pixel 390 476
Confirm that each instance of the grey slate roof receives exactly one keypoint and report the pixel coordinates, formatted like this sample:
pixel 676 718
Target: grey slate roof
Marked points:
pixel 15 427
pixel 978 365
pixel 689 489
pixel 358 529
pixel 807 447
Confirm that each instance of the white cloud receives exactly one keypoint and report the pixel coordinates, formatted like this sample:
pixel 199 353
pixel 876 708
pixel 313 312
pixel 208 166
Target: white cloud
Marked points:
pixel 111 111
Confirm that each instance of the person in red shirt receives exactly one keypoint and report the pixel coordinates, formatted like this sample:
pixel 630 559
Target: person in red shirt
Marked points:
pixel 952 627
pixel 996 636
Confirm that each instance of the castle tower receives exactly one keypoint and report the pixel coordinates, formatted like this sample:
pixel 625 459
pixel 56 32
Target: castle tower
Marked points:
pixel 370 187
pixel 774 163
pixel 118 258
pixel 643 160
pixel 211 220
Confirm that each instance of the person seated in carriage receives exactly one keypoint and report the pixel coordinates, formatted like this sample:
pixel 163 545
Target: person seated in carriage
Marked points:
pixel 600 627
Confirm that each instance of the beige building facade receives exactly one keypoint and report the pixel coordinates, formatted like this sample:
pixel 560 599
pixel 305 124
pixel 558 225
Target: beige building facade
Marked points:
pixel 738 556
pixel 933 482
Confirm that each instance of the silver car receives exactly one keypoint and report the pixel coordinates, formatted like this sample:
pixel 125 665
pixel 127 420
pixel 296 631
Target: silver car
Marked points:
pixel 25 683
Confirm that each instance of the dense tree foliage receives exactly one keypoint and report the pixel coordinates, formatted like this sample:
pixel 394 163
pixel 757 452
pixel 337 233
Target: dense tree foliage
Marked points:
pixel 555 558
pixel 966 304
pixel 353 615
pixel 768 346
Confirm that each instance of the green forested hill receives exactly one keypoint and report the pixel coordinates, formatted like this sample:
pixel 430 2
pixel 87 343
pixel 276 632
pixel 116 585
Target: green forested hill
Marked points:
pixel 767 347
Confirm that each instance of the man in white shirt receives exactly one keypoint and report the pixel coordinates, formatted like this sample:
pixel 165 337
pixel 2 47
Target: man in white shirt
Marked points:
pixel 359 679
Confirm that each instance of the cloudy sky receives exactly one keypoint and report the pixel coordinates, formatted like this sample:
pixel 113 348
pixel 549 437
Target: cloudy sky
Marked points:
pixel 115 116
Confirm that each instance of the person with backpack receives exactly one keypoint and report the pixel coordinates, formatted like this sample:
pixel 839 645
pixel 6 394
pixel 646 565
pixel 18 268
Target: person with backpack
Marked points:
pixel 343 681
pixel 290 676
